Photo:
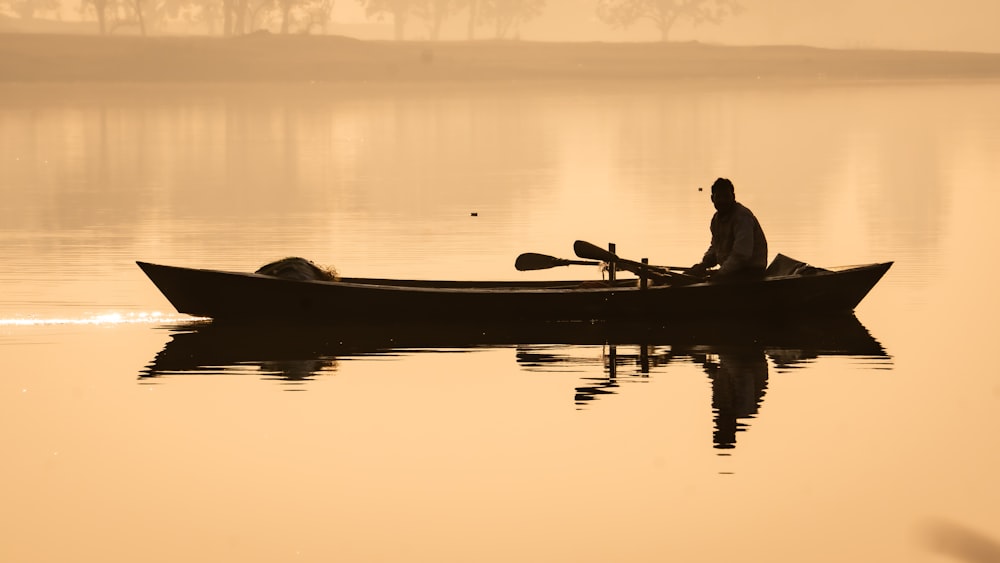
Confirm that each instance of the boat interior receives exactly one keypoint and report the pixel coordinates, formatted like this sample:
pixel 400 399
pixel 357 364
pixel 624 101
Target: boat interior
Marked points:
pixel 781 266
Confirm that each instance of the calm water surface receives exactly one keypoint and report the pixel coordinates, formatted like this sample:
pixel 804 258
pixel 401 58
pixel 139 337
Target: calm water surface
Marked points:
pixel 131 432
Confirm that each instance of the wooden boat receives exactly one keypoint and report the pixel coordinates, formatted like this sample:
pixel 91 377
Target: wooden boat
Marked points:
pixel 789 288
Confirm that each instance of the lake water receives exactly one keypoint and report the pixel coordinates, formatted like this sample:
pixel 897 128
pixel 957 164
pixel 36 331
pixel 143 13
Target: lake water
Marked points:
pixel 133 433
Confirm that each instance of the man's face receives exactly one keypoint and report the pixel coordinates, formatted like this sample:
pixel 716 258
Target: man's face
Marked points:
pixel 723 199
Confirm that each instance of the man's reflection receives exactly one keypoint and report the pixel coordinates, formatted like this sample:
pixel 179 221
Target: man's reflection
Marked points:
pixel 739 381
pixel 738 376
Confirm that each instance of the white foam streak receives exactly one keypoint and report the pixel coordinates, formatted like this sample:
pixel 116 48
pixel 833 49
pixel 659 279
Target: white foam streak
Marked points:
pixel 114 318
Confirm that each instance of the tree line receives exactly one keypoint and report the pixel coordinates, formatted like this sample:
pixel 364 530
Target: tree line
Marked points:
pixel 500 18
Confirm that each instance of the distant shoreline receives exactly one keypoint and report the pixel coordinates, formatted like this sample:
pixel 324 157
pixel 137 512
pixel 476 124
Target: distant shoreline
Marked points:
pixel 335 59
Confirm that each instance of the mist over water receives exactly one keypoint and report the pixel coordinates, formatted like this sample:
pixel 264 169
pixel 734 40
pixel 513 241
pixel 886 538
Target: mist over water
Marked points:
pixel 134 433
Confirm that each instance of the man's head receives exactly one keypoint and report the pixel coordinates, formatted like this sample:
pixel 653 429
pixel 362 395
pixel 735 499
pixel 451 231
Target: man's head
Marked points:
pixel 723 195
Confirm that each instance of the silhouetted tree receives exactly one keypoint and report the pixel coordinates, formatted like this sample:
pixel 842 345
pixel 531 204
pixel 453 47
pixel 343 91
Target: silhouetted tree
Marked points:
pixel 27 9
pixel 242 16
pixel 113 14
pixel 434 12
pixel 473 14
pixel 195 13
pixel 664 13
pixel 257 12
pixel 506 15
pixel 139 20
pixel 237 15
pixel 398 9
pixel 230 13
pixel 101 10
pixel 158 12
pixel 207 13
pixel 294 15
pixel 317 14
pixel 285 7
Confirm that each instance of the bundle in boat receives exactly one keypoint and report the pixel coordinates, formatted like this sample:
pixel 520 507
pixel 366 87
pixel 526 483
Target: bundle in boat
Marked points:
pixel 295 268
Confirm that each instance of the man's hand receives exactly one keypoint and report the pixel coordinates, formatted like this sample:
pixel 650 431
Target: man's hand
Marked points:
pixel 697 270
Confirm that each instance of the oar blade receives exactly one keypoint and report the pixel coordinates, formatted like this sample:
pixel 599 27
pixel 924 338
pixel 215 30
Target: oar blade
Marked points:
pixel 534 261
pixel 584 249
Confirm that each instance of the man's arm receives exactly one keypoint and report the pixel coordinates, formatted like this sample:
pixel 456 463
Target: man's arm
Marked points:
pixel 708 260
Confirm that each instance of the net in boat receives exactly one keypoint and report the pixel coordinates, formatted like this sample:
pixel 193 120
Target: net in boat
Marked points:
pixel 295 268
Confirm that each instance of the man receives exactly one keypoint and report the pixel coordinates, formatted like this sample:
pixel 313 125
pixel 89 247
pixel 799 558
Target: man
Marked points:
pixel 738 245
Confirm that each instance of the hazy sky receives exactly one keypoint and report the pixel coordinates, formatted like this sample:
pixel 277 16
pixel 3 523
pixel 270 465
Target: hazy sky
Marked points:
pixel 968 25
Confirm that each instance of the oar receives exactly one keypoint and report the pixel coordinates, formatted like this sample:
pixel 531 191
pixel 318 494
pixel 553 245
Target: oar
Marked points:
pixel 585 249
pixel 535 261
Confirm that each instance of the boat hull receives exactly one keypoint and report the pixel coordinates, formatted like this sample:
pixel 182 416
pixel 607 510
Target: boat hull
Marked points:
pixel 233 295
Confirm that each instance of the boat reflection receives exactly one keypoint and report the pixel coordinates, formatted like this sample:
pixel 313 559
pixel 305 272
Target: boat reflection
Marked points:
pixel 736 357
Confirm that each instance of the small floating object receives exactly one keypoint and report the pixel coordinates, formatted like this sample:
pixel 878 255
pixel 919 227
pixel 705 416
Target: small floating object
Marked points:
pixel 475 214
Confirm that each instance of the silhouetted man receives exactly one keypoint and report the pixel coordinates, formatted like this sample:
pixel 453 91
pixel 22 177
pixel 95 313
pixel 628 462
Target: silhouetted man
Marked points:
pixel 738 245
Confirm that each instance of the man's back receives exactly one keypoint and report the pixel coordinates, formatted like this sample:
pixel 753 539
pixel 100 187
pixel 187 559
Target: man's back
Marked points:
pixel 738 241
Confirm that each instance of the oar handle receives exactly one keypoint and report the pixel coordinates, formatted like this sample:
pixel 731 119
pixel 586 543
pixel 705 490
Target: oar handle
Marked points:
pixel 584 249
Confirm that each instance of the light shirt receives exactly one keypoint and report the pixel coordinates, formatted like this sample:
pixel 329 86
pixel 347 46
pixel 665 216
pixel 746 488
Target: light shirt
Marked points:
pixel 738 242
